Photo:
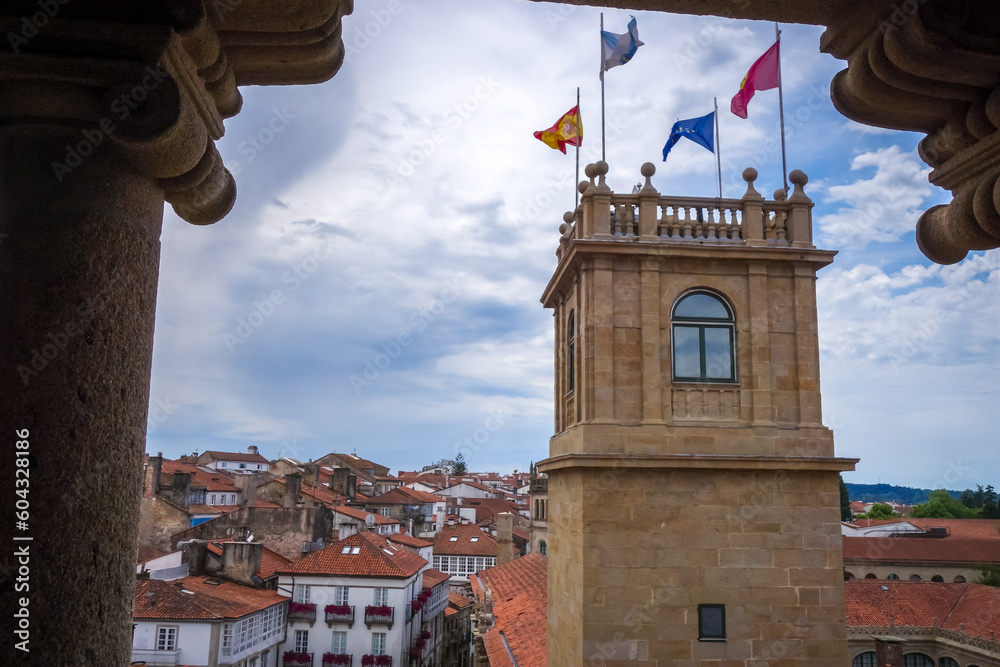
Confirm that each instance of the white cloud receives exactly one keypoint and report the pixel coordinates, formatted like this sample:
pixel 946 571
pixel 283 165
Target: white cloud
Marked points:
pixel 878 209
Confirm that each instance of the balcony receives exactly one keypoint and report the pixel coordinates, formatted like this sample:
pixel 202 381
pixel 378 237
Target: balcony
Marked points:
pixel 156 658
pixel 295 659
pixel 302 611
pixel 378 615
pixel 339 613
pixel 368 660
pixel 337 660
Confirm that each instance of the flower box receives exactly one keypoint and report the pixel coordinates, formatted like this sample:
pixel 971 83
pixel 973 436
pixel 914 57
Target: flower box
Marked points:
pixel 382 614
pixel 293 659
pixel 339 613
pixel 336 659
pixel 301 611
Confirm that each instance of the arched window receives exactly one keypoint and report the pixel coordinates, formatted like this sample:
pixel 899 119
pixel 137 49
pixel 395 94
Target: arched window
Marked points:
pixel 704 339
pixel 948 662
pixel 915 577
pixel 938 578
pixel 866 659
pixel 917 660
pixel 871 575
pixel 893 577
pixel 571 352
pixel 959 579
pixel 542 548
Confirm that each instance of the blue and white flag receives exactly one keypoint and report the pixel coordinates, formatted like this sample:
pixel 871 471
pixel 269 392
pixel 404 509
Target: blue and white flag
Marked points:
pixel 618 49
pixel 699 130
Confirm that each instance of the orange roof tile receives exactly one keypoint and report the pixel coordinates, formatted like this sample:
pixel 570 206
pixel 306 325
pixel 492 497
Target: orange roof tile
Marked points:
pixel 166 599
pixel 409 540
pixel 469 541
pixel 520 607
pixel 147 553
pixel 235 456
pixel 434 577
pixel 212 480
pixel 921 549
pixel 923 604
pixel 358 513
pixel 458 600
pixel 376 557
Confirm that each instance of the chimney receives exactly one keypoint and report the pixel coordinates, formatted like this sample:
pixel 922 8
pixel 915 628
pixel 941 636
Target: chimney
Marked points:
pixel 181 488
pixel 241 561
pixel 252 449
pixel 193 553
pixel 247 485
pixel 505 538
pixel 156 469
pixel 310 474
pixel 293 484
pixel 344 482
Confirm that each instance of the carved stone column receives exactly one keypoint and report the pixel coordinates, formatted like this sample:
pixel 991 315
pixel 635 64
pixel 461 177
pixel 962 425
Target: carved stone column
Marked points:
pixel 106 111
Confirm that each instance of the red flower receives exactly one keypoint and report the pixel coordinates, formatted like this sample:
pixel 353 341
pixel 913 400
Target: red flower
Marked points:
pixel 367 660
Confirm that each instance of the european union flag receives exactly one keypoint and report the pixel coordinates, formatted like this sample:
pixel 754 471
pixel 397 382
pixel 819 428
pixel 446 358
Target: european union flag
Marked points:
pixel 699 130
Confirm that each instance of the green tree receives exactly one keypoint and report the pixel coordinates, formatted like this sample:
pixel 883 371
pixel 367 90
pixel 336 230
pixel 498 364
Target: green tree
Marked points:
pixel 881 511
pixel 459 468
pixel 845 502
pixel 989 575
pixel 943 506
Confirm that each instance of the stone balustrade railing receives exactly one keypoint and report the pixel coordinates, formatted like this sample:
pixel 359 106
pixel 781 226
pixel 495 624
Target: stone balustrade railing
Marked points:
pixel 921 632
pixel 651 217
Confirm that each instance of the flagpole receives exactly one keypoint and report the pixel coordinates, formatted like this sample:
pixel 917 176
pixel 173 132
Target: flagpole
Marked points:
pixel 718 146
pixel 781 111
pixel 602 88
pixel 579 129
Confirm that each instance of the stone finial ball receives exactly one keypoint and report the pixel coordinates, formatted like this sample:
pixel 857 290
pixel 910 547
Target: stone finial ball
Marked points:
pixel 779 194
pixel 647 169
pixel 749 174
pixel 569 216
pixel 601 167
pixel 798 177
pixel 591 170
pixel 563 227
pixel 582 186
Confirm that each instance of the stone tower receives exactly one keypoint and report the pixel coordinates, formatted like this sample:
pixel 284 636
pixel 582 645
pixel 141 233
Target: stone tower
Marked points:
pixel 694 499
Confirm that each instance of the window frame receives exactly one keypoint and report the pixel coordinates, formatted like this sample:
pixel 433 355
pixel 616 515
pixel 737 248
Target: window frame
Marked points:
pixel 571 353
pixel 301 641
pixel 170 642
pixel 701 324
pixel 379 647
pixel 333 645
pixel 702 635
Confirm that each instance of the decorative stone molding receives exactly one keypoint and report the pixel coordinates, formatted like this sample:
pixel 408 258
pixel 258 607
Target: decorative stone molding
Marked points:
pixel 158 92
pixel 931 67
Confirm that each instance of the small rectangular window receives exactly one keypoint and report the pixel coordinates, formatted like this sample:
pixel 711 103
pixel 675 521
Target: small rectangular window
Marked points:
pixel 381 596
pixel 339 642
pixel 711 622
pixel 301 641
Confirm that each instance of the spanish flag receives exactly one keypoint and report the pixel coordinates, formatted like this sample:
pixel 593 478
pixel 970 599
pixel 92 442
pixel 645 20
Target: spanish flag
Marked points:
pixel 764 74
pixel 567 130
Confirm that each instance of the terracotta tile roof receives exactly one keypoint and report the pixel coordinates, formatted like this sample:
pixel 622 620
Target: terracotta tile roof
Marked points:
pixel 470 541
pixel 488 508
pixel 235 456
pixel 474 485
pixel 403 495
pixel 458 600
pixel 434 577
pixel 360 514
pixel 376 557
pixel 270 561
pixel 147 553
pixel 166 599
pixel 971 528
pixel 520 607
pixel 921 549
pixel 923 604
pixel 212 480
pixel 409 540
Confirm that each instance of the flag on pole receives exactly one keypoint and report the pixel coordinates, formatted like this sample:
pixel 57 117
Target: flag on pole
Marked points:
pixel 762 75
pixel 618 49
pixel 567 130
pixel 699 130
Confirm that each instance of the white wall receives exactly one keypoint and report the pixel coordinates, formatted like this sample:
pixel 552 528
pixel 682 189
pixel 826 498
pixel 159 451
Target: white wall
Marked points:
pixel 193 639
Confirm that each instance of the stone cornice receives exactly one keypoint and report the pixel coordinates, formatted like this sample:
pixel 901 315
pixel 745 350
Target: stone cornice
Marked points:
pixel 696 461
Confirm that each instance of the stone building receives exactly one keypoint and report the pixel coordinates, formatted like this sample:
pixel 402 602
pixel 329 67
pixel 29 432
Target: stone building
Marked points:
pixel 918 66
pixel 687 385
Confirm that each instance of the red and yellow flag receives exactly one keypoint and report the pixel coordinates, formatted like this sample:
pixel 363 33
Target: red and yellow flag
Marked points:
pixel 764 74
pixel 567 130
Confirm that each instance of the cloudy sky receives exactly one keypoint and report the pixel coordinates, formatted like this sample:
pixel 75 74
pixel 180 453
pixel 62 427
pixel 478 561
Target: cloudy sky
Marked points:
pixel 376 288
